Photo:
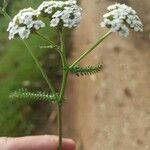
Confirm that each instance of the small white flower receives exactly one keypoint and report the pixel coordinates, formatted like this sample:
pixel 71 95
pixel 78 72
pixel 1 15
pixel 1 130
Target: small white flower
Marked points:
pixel 23 32
pixel 67 13
pixel 25 22
pixel 54 22
pixel 120 18
pixel 38 24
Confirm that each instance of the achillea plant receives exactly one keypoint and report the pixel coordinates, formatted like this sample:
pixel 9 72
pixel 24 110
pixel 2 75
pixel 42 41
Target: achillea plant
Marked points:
pixel 61 16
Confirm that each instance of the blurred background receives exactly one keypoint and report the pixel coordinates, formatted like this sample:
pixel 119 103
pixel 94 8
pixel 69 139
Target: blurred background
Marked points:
pixel 106 111
pixel 17 70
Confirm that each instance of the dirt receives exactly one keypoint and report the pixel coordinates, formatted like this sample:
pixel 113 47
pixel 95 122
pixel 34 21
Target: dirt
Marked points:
pixel 110 110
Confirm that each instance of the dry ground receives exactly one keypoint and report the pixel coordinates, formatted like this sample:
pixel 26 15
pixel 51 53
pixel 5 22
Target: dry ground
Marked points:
pixel 111 110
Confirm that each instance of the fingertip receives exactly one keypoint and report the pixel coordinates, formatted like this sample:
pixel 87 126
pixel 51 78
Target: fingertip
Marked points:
pixel 69 144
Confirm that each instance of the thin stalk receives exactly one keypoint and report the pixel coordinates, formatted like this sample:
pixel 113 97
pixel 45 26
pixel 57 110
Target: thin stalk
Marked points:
pixel 46 39
pixel 40 68
pixel 90 49
pixel 59 107
pixel 35 60
pixel 64 64
pixel 63 87
pixel 6 15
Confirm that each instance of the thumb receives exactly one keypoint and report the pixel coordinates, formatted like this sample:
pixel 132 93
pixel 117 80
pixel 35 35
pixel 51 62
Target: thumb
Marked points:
pixel 44 142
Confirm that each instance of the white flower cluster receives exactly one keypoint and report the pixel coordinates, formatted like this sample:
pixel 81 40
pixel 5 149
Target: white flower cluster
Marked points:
pixel 67 13
pixel 24 23
pixel 61 13
pixel 120 18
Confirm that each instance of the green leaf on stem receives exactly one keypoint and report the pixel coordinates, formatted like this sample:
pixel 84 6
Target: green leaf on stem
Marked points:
pixel 86 70
pixel 24 94
pixel 46 47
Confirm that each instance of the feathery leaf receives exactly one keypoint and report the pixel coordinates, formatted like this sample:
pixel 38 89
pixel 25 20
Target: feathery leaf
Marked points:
pixel 86 70
pixel 46 47
pixel 24 94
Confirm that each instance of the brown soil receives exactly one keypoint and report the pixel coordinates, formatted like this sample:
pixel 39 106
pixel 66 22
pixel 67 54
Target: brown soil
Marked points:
pixel 110 110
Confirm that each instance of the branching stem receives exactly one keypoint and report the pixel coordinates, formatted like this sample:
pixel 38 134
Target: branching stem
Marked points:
pixel 35 60
pixel 46 39
pixel 92 48
pixel 40 68
pixel 6 15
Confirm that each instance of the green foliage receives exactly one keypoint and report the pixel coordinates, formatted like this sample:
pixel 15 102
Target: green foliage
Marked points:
pixel 1 10
pixel 17 66
pixel 30 97
pixel 86 70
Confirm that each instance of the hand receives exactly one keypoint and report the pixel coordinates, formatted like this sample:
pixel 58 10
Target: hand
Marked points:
pixel 45 142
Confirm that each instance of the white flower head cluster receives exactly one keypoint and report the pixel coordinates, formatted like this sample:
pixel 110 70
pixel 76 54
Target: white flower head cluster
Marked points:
pixel 121 18
pixel 25 22
pixel 64 13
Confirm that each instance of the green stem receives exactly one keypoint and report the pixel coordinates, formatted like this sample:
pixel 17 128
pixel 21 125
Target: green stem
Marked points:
pixel 90 49
pixel 63 87
pixel 59 107
pixel 46 39
pixel 6 15
pixel 64 64
pixel 40 68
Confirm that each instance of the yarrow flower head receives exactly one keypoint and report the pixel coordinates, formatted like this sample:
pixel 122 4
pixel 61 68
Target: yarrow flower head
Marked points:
pixel 121 18
pixel 25 22
pixel 67 13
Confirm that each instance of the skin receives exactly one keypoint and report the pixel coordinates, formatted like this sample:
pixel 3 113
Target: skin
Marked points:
pixel 43 142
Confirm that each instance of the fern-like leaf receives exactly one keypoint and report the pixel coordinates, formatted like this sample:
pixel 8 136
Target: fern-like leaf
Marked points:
pixel 46 47
pixel 86 70
pixel 24 94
